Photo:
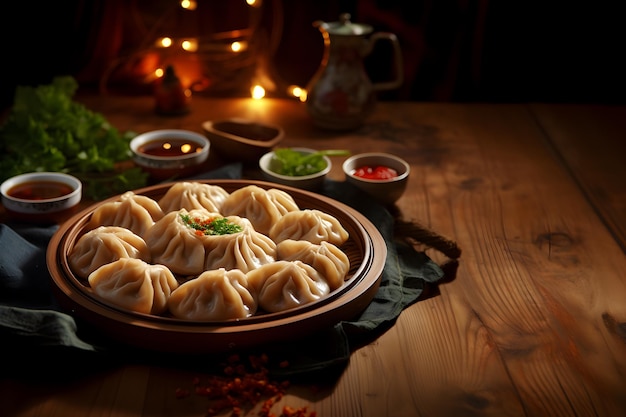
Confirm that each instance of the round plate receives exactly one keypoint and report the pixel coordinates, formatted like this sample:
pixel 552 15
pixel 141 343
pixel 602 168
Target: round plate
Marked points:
pixel 365 248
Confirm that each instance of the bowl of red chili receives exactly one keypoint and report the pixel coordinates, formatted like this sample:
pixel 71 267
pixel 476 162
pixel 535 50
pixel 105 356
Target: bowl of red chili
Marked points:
pixel 381 175
pixel 40 196
pixel 170 153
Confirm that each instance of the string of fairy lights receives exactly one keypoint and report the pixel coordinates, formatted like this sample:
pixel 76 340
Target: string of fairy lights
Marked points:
pixel 223 62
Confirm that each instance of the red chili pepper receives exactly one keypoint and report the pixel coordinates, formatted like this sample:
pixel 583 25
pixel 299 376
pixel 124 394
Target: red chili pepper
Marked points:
pixel 378 172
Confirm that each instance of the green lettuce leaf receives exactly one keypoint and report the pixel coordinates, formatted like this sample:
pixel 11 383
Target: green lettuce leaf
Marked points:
pixel 46 130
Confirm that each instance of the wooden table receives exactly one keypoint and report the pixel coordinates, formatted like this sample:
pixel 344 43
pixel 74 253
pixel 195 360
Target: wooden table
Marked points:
pixel 531 323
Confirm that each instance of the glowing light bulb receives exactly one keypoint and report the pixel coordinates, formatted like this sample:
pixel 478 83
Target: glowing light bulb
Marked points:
pixel 159 72
pixel 257 92
pixel 188 4
pixel 190 45
pixel 235 46
pixel 165 42
pixel 295 91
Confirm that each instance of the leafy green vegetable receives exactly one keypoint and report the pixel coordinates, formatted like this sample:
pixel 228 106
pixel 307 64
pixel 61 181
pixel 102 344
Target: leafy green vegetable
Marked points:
pixel 293 163
pixel 213 226
pixel 46 130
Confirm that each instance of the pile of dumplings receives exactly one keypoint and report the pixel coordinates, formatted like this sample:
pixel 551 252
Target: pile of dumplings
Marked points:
pixel 142 255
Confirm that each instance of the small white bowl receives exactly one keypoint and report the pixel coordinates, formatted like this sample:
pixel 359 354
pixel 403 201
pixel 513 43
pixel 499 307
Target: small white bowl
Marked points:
pixel 164 163
pixel 41 196
pixel 243 140
pixel 310 182
pixel 385 191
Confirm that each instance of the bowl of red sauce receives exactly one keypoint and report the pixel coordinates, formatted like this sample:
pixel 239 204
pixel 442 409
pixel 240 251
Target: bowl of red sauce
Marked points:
pixel 41 196
pixel 381 175
pixel 170 153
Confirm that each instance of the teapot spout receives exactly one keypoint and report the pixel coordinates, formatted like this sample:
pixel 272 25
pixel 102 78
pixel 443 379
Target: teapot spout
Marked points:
pixel 321 25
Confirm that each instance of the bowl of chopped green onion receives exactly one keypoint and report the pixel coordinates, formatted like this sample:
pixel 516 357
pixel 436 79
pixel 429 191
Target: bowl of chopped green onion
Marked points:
pixel 297 167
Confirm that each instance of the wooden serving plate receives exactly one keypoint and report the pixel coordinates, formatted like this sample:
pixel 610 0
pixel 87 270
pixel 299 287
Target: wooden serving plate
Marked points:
pixel 365 248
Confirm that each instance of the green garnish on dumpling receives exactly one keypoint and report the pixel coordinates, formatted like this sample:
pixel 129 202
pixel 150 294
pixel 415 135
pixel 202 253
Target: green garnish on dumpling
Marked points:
pixel 211 226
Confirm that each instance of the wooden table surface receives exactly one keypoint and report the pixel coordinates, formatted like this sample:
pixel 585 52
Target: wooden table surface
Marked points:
pixel 531 323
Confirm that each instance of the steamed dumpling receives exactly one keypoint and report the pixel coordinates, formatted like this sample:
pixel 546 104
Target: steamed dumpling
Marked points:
pixel 131 211
pixel 311 225
pixel 175 244
pixel 134 284
pixel 284 285
pixel 193 195
pixel 262 207
pixel 327 259
pixel 244 250
pixel 214 295
pixel 103 245
pixel 190 242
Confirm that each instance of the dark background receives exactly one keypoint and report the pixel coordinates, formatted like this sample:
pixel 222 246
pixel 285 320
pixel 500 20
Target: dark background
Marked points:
pixel 482 51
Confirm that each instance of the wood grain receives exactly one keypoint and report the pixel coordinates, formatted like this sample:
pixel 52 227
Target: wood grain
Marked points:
pixel 592 146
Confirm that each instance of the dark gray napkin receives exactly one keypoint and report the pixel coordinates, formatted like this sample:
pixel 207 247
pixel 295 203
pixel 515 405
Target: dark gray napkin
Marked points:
pixel 31 319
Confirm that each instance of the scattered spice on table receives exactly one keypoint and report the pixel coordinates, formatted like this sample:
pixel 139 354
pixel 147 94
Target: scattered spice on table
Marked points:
pixel 244 386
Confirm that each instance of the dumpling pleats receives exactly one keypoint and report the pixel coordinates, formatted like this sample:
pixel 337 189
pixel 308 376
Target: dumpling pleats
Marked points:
pixel 245 250
pixel 134 284
pixel 262 207
pixel 314 226
pixel 212 296
pixel 193 195
pixel 327 259
pixel 284 285
pixel 103 245
pixel 176 245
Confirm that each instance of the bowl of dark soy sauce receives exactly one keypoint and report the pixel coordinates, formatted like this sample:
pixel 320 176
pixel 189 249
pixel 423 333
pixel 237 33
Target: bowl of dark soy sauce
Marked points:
pixel 170 153
pixel 40 197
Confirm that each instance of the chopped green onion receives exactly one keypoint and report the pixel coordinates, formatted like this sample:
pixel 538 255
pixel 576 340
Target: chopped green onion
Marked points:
pixel 295 163
pixel 211 226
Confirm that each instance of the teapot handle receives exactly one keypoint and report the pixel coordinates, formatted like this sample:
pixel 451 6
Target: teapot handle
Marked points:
pixel 397 60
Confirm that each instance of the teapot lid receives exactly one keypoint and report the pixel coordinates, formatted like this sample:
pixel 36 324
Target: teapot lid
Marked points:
pixel 344 26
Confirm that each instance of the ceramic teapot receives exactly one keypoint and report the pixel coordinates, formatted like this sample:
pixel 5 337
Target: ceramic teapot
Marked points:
pixel 340 94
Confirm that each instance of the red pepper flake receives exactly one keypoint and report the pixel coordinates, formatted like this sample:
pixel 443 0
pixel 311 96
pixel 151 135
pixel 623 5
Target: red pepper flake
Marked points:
pixel 297 412
pixel 242 387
